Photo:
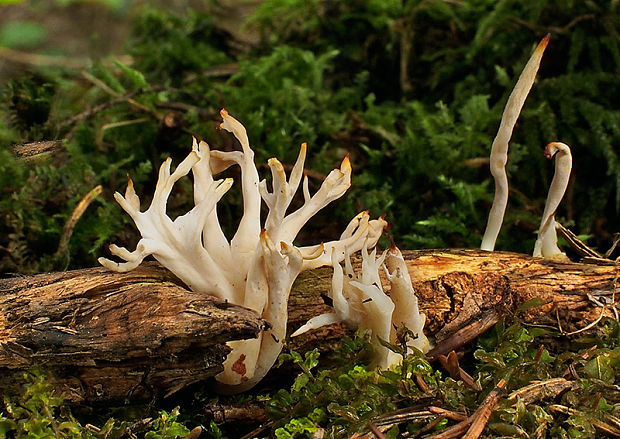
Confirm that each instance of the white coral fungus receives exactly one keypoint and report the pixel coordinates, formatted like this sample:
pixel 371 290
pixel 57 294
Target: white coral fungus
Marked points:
pixel 258 266
pixel 360 302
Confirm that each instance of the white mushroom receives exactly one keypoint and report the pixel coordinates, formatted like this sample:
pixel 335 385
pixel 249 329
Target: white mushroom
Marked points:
pixel 257 268
pixel 349 295
pixel 547 242
pixel 499 149
pixel 360 302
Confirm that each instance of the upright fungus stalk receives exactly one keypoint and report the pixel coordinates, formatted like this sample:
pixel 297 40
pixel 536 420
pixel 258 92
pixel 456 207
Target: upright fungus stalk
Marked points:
pixel 547 243
pixel 499 149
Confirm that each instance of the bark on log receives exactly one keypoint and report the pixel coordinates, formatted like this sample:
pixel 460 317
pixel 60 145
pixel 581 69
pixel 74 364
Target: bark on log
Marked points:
pixel 140 334
pixel 115 336
pixel 465 292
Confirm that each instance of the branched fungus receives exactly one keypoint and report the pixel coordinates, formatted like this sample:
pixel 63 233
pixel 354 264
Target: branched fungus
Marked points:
pixel 360 302
pixel 257 268
pixel 499 149
pixel 547 242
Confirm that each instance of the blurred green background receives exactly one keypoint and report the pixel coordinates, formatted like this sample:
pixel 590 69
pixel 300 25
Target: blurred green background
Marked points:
pixel 412 90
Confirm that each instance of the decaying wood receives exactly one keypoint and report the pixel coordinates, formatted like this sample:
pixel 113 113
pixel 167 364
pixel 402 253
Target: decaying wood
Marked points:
pixel 465 292
pixel 37 150
pixel 540 389
pixel 113 336
pixel 109 336
pixel 240 412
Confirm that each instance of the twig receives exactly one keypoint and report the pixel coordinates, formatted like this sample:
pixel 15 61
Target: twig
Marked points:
pixel 35 150
pixel 453 432
pixel 428 427
pixel 466 334
pixel 474 424
pixel 449 414
pixel 103 86
pixel 385 421
pixel 540 389
pixel 576 244
pixel 378 433
pixel 585 355
pixel 185 107
pixel 43 60
pixel 613 292
pixel 400 416
pixel 613 245
pixel 573 22
pixel 224 70
pixel 81 117
pixel 222 413
pixel 257 430
pixel 557 317
pixel 122 123
pixel 483 413
pixel 591 325
pixel 77 213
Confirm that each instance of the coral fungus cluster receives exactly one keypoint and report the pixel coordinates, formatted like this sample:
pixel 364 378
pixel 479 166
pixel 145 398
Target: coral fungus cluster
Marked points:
pixel 257 267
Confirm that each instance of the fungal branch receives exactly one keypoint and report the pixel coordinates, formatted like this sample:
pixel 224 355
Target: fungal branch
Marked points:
pixel 499 148
pixel 547 243
pixel 406 310
pixel 257 268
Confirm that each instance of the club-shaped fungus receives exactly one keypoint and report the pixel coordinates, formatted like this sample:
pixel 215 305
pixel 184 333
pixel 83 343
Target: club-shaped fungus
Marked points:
pixel 499 149
pixel 547 243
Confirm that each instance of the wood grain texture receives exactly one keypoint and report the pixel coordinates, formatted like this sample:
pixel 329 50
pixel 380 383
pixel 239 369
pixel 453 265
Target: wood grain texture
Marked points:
pixel 111 336
pixel 142 334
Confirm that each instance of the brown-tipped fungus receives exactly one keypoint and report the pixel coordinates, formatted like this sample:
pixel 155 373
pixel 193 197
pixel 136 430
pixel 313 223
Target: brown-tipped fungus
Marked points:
pixel 257 268
pixel 547 243
pixel 360 302
pixel 499 149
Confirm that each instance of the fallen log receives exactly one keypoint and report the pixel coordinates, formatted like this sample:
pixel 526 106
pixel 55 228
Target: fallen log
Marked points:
pixel 111 336
pixel 114 336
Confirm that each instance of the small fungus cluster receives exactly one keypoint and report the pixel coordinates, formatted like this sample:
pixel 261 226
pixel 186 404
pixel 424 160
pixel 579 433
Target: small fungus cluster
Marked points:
pixel 360 302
